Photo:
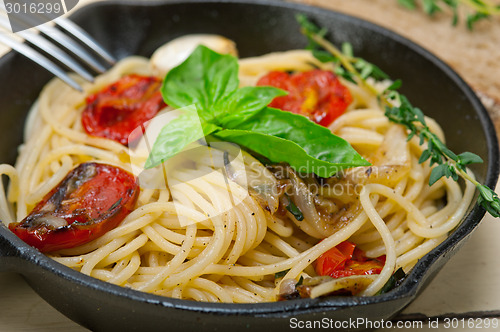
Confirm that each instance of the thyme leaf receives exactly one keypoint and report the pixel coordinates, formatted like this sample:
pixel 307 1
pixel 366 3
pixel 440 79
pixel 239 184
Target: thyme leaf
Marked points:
pixel 477 9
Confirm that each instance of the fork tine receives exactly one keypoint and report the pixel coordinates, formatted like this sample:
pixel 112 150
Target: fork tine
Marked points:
pixel 71 45
pixel 51 49
pixel 62 39
pixel 39 58
pixel 83 36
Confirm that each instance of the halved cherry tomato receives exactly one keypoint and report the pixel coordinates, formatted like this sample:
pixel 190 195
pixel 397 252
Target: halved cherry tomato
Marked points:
pixel 90 201
pixel 121 107
pixel 334 259
pixel 317 94
pixel 345 260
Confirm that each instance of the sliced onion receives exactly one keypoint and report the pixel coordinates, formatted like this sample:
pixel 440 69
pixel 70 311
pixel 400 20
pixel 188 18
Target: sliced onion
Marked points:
pixel 287 287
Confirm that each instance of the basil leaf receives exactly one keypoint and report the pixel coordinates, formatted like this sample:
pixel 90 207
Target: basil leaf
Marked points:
pixel 245 103
pixel 176 135
pixel 317 141
pixel 203 79
pixel 278 149
pixel 209 81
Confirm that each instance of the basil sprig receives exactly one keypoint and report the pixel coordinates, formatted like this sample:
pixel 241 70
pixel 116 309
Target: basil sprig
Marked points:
pixel 205 86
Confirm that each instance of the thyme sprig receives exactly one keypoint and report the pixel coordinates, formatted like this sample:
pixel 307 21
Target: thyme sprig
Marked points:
pixel 398 109
pixel 478 9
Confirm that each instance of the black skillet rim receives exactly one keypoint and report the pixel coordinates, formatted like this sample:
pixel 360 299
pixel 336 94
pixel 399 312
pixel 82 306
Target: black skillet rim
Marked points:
pixel 412 283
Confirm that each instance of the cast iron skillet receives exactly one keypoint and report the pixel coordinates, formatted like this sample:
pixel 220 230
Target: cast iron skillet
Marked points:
pixel 258 27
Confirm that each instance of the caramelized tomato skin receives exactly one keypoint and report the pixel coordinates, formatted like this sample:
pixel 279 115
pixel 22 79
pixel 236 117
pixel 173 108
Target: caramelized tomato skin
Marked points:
pixel 316 94
pixel 118 109
pixel 90 201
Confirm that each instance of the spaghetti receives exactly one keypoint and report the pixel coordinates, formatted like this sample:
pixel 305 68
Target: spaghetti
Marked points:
pixel 254 250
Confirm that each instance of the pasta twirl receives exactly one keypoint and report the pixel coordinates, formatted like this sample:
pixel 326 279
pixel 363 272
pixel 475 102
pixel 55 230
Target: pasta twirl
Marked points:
pixel 249 252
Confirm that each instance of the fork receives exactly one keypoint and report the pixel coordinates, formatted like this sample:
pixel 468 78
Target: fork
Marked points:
pixel 57 35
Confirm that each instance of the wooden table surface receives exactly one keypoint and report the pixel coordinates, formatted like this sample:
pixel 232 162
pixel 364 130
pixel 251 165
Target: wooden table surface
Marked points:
pixel 468 286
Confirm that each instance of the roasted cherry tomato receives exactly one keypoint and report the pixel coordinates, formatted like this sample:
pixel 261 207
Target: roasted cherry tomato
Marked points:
pixel 317 94
pixel 345 260
pixel 335 258
pixel 90 201
pixel 121 107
